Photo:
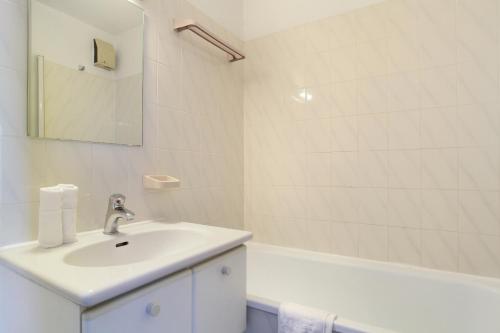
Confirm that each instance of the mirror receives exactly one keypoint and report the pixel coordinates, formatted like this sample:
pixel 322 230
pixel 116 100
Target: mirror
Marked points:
pixel 86 70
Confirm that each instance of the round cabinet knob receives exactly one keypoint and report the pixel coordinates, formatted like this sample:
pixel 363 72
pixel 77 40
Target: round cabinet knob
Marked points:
pixel 153 309
pixel 226 271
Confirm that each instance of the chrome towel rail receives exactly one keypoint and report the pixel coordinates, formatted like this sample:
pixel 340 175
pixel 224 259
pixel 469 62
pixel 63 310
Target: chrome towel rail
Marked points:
pixel 187 24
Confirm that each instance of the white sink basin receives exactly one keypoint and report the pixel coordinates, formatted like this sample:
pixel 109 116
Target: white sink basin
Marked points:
pixel 99 267
pixel 135 248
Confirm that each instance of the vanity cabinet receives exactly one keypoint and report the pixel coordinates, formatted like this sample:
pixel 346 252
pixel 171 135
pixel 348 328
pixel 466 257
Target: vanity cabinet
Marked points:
pixel 162 307
pixel 219 285
pixel 207 298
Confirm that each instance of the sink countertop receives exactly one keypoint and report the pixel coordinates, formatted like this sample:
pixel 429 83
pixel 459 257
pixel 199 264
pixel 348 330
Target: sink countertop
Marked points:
pixel 91 285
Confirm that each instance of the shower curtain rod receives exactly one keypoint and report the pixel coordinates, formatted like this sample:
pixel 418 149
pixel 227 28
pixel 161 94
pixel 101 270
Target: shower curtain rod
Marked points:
pixel 191 25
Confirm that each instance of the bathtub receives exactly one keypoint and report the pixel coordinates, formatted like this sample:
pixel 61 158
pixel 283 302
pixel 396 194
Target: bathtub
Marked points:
pixel 368 296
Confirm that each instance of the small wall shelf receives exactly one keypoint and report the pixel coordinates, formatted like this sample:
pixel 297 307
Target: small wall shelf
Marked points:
pixel 159 182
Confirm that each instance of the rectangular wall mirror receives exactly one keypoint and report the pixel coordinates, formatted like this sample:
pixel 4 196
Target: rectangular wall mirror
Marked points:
pixel 86 70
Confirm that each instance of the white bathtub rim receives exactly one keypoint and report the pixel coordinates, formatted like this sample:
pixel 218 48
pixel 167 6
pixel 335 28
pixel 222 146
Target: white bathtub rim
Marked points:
pixel 263 304
pixel 489 284
pixel 341 324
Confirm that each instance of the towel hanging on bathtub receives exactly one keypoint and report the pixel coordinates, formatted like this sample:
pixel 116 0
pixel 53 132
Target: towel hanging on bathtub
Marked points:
pixel 294 318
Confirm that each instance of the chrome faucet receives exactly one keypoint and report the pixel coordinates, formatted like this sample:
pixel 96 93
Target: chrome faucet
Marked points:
pixel 116 212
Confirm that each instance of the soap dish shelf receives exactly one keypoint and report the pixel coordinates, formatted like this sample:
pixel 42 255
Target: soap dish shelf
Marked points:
pixel 159 182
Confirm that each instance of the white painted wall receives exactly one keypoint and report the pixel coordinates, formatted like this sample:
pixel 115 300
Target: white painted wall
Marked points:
pixel 73 45
pixel 263 17
pixel 227 13
pixel 70 46
pixel 129 52
pixel 249 19
pixel 113 16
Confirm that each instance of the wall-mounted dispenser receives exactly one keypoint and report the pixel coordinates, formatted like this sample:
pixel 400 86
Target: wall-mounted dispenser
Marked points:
pixel 104 55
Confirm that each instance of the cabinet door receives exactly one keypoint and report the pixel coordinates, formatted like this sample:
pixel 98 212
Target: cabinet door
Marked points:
pixel 219 294
pixel 164 307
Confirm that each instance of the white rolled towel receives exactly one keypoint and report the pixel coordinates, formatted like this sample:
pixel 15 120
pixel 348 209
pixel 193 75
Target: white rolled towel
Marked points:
pixel 51 198
pixel 69 225
pixel 69 212
pixel 70 196
pixel 50 228
pixel 50 217
pixel 294 318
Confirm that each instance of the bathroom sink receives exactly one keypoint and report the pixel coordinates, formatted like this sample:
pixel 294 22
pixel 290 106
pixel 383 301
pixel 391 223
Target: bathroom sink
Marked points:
pixel 135 248
pixel 99 267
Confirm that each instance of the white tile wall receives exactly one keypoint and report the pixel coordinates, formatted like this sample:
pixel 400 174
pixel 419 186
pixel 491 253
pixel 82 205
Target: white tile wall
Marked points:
pixel 373 134
pixel 403 96
pixel 193 120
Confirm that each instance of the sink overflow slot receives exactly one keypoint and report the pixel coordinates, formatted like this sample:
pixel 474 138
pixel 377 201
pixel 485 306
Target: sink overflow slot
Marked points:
pixel 121 244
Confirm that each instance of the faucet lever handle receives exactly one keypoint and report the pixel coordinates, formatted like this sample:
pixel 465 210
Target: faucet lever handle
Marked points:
pixel 117 200
pixel 116 211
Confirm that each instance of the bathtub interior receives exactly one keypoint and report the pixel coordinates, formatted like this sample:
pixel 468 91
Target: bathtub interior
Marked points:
pixel 394 297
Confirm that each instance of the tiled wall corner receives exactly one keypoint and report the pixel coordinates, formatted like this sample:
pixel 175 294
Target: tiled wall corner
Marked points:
pixel 379 130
